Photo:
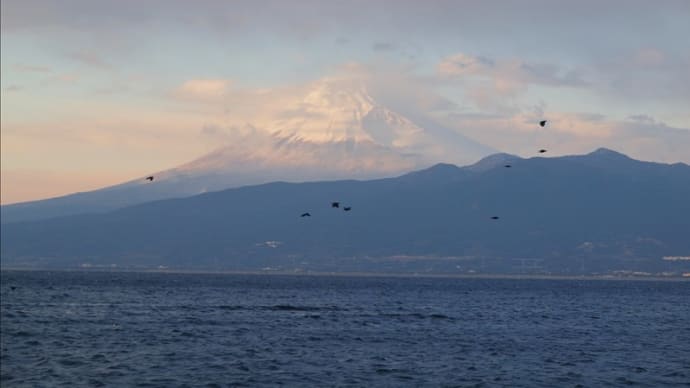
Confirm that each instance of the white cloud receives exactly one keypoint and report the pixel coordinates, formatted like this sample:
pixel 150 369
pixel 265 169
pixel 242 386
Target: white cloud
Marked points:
pixel 301 111
pixel 646 74
pixel 508 72
pixel 498 85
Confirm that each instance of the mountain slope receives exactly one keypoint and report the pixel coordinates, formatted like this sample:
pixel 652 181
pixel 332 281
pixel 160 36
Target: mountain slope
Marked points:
pixel 331 133
pixel 557 215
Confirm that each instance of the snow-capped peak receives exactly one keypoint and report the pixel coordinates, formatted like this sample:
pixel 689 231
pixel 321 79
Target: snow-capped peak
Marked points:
pixel 330 95
pixel 335 128
pixel 330 111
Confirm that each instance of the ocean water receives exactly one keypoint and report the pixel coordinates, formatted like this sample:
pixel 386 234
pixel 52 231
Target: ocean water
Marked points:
pixel 172 330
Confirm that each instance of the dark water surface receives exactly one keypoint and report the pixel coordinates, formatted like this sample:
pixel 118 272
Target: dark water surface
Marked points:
pixel 168 330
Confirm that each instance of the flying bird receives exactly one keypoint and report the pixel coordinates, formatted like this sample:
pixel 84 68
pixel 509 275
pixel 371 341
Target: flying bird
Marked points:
pixel 335 204
pixel 149 178
pixel 542 151
pixel 347 208
pixel 494 217
pixel 507 166
pixel 305 215
pixel 542 123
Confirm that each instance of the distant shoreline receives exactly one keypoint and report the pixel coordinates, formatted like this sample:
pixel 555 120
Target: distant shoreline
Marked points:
pixel 354 274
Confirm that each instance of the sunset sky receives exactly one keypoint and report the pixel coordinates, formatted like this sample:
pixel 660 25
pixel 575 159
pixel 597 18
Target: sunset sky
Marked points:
pixel 98 92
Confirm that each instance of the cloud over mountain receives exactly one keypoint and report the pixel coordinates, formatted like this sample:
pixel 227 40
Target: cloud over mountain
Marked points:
pixel 126 86
pixel 331 129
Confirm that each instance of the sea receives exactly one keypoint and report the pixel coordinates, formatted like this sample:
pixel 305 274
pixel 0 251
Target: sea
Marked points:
pixel 144 329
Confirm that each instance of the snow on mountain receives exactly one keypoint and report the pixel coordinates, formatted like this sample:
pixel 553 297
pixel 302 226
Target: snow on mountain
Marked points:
pixel 339 131
pixel 336 130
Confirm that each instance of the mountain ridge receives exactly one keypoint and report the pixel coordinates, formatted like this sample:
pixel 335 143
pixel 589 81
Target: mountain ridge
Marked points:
pixel 561 213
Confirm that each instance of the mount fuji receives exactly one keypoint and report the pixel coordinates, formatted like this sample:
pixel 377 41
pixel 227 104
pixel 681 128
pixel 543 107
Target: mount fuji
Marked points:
pixel 332 132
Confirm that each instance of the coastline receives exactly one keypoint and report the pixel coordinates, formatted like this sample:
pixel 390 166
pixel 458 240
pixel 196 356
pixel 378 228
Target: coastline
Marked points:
pixel 355 274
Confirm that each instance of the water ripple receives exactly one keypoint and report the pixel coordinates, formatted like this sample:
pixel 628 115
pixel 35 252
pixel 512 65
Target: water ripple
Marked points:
pixel 160 330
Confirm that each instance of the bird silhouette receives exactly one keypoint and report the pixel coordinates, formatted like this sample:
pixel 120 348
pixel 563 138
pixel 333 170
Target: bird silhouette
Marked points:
pixel 507 166
pixel 542 123
pixel 335 204
pixel 149 178
pixel 494 217
pixel 542 151
pixel 305 215
pixel 347 208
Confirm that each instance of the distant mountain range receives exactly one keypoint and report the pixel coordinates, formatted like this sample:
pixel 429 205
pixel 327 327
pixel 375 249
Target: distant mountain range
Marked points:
pixel 597 213
pixel 332 132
